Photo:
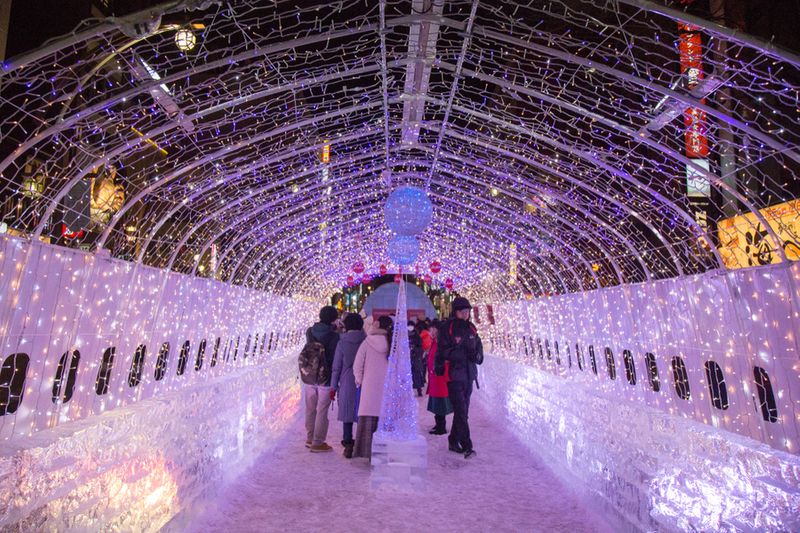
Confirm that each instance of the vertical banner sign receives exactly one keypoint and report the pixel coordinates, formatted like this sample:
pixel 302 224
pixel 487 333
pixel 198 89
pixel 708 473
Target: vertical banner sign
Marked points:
pixel 691 52
pixel 698 187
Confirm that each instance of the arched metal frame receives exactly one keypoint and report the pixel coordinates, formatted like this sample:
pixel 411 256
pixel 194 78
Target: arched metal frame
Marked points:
pixel 552 137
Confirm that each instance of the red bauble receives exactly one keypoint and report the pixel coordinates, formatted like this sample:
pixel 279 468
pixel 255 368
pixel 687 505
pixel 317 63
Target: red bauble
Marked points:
pixel 398 278
pixel 366 278
pixel 436 267
pixel 383 270
pixel 350 281
pixel 448 284
pixel 358 268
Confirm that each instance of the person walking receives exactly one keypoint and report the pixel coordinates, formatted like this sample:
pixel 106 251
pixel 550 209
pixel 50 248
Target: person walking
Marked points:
pixel 417 361
pixel 460 345
pixel 343 381
pixel 369 370
pixel 438 400
pixel 316 363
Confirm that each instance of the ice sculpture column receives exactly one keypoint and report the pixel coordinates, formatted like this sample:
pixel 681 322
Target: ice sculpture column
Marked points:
pixel 399 452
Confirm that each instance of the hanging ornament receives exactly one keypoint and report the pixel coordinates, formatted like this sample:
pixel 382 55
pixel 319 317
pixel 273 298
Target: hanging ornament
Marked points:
pixel 398 278
pixel 403 250
pixel 448 284
pixel 383 270
pixel 366 279
pixel 427 278
pixel 350 281
pixel 436 267
pixel 408 211
pixel 358 268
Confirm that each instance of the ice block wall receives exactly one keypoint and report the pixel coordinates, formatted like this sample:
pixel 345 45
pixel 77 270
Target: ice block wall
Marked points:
pixel 672 405
pixel 128 395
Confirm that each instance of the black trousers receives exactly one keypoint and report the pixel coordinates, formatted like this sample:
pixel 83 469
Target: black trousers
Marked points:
pixel 459 393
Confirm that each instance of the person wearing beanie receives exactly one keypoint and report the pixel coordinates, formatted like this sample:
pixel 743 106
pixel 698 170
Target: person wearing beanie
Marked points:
pixel 317 394
pixel 343 382
pixel 461 347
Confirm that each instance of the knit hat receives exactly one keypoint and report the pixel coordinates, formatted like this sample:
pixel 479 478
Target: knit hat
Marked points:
pixel 460 303
pixel 353 322
pixel 328 314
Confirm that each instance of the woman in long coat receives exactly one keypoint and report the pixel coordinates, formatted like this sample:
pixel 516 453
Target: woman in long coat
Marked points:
pixel 438 398
pixel 343 382
pixel 369 369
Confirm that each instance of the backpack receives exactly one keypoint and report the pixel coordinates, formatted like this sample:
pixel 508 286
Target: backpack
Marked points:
pixel 313 367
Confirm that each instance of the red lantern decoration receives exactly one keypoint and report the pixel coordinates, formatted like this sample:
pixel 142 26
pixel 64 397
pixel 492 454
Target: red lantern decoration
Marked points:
pixel 383 270
pixel 350 281
pixel 427 278
pixel 366 279
pixel 436 267
pixel 398 278
pixel 358 268
pixel 448 284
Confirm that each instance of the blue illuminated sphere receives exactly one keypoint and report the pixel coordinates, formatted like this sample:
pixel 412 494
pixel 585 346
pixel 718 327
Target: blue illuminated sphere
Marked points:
pixel 403 249
pixel 408 211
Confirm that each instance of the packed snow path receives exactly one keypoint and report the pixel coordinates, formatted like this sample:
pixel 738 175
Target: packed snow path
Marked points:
pixel 503 488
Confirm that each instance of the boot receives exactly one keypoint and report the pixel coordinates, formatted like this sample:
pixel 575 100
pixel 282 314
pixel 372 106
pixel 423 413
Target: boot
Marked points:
pixel 348 448
pixel 439 428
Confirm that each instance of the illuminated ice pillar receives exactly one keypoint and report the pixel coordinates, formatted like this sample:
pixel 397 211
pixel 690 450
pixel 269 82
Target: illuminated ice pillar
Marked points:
pixel 399 452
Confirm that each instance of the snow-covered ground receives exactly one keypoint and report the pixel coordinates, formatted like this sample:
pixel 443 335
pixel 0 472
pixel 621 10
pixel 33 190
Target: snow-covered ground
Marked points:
pixel 504 488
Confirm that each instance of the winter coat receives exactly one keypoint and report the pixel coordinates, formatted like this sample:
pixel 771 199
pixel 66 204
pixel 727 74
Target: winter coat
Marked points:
pixel 327 336
pixel 342 379
pixel 417 360
pixel 426 339
pixel 369 370
pixel 437 385
pixel 460 344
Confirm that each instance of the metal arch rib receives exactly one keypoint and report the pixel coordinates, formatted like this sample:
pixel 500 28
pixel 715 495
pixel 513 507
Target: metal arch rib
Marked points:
pixel 253 247
pixel 609 257
pixel 691 222
pixel 581 259
pixel 260 164
pixel 212 216
pixel 453 88
pixel 575 181
pixel 194 164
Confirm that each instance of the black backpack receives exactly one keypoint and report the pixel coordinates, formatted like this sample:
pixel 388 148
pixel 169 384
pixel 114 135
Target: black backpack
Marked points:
pixel 313 366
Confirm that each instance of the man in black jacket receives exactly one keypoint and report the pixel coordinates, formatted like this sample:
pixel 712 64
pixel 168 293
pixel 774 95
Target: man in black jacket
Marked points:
pixel 460 344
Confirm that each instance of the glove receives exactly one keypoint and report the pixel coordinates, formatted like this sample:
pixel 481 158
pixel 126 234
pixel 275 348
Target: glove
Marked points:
pixel 332 394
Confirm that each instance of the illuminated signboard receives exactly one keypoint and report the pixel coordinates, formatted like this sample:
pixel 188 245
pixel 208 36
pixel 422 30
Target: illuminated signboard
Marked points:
pixel 745 242
pixel 691 54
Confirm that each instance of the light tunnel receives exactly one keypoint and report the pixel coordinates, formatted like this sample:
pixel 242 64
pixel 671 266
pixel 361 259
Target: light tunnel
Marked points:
pixel 614 187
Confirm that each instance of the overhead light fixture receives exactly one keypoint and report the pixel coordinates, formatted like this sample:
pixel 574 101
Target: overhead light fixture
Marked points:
pixel 185 39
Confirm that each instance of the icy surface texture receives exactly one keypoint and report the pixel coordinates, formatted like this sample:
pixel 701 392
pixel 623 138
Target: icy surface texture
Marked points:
pixel 743 324
pixel 139 467
pixel 398 418
pixel 56 302
pixel 504 488
pixel 398 463
pixel 643 467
